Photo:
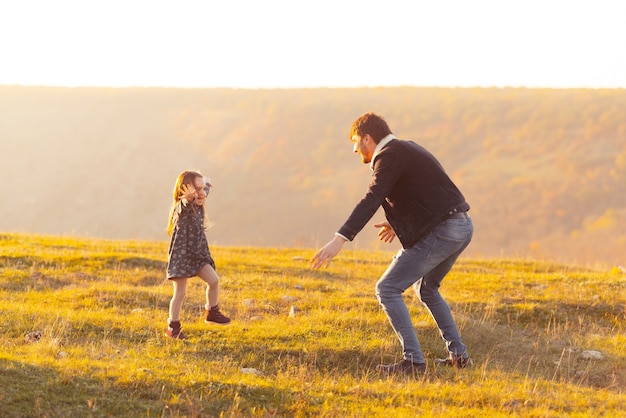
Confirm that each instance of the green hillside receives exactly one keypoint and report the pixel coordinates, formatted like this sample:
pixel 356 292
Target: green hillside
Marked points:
pixel 83 320
pixel 544 169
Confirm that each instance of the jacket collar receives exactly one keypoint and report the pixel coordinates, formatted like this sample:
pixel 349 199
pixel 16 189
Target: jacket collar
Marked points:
pixel 379 147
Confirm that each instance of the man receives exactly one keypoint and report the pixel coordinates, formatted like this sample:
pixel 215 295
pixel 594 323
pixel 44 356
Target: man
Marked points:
pixel 428 214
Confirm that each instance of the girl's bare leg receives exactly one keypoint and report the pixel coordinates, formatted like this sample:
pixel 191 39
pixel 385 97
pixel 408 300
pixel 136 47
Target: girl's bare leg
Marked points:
pixel 180 289
pixel 208 274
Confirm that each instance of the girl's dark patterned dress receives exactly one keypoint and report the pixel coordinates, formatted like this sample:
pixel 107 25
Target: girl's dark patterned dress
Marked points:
pixel 189 249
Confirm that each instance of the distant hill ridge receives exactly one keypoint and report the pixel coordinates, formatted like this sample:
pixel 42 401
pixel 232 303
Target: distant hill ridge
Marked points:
pixel 544 169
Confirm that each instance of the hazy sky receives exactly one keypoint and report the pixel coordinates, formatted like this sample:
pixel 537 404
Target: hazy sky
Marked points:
pixel 294 43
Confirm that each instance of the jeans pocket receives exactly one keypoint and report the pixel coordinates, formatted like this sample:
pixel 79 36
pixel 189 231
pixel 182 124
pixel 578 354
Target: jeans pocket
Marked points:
pixel 458 238
pixel 454 230
pixel 450 237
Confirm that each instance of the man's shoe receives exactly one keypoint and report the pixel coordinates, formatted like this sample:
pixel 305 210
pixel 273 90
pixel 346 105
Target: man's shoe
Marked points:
pixel 403 367
pixel 462 362
pixel 214 316
pixel 174 331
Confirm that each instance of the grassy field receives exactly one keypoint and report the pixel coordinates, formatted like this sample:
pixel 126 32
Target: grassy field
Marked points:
pixel 82 324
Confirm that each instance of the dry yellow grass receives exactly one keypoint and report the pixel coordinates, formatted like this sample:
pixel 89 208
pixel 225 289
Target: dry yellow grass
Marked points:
pixel 100 307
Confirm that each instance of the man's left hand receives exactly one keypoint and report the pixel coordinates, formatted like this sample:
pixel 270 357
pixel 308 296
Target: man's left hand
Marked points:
pixel 386 233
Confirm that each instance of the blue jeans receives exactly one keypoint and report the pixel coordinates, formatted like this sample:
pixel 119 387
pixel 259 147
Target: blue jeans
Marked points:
pixel 424 265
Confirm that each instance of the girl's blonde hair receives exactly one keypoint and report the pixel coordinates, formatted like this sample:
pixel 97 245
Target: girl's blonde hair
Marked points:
pixel 186 177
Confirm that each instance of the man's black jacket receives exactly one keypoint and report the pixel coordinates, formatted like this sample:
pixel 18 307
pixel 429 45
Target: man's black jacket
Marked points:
pixel 413 189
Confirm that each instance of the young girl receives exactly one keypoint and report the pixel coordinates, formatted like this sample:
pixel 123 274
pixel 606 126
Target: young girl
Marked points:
pixel 189 254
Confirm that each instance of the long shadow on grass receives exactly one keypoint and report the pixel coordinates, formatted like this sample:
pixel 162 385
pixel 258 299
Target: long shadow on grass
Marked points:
pixel 28 390
pixel 326 360
pixel 540 314
pixel 540 339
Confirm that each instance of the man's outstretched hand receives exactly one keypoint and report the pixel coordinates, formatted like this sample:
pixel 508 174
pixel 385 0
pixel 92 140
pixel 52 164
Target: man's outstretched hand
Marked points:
pixel 328 251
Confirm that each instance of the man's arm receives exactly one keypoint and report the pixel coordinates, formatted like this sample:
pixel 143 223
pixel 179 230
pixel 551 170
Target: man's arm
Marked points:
pixel 384 177
pixel 328 251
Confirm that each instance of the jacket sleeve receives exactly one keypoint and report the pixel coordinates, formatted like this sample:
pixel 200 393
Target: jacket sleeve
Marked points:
pixel 384 177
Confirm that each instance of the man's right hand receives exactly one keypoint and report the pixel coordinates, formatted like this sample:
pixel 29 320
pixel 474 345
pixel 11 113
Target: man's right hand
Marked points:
pixel 328 251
